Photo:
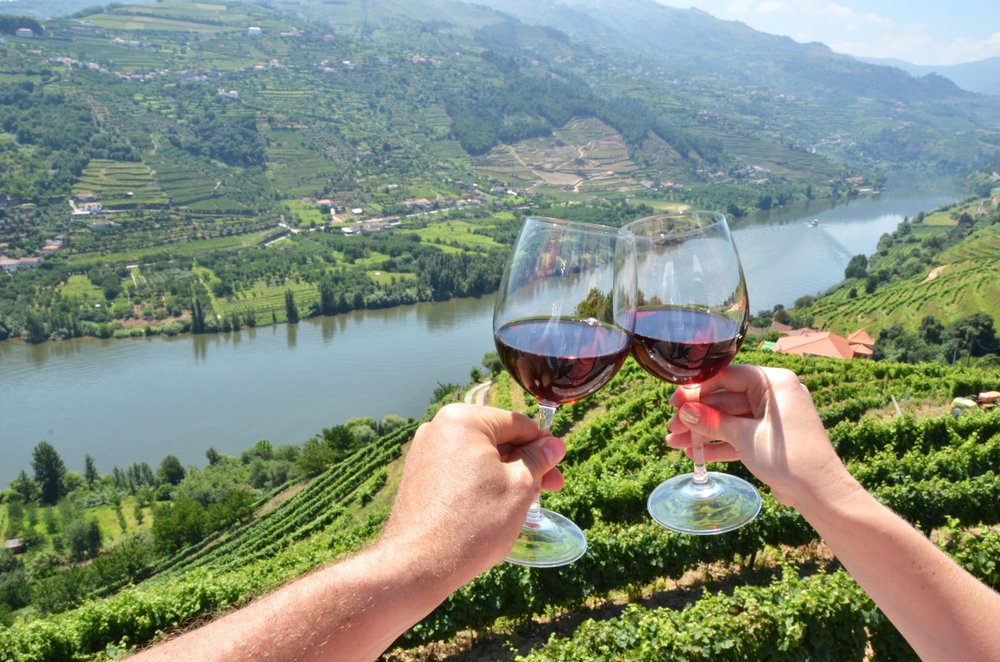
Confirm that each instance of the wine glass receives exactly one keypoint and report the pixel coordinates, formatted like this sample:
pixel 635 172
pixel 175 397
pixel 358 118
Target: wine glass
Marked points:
pixel 562 324
pixel 691 318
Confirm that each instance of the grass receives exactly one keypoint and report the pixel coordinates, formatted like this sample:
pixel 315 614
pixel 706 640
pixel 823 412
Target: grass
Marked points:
pixel 386 277
pixel 266 299
pixel 305 214
pixel 184 248
pixel 105 515
pixel 107 519
pixel 80 288
pixel 454 233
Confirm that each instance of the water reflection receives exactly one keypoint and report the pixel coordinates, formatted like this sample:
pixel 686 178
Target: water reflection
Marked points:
pixel 327 326
pixel 292 335
pixel 199 343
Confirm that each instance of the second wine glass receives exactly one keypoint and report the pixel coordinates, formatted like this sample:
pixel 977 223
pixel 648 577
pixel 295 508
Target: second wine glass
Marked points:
pixel 563 326
pixel 692 316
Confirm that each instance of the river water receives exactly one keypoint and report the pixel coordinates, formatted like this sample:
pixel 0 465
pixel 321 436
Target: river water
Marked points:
pixel 135 400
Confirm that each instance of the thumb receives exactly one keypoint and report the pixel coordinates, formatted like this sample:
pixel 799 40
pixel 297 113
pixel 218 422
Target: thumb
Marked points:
pixel 539 456
pixel 713 424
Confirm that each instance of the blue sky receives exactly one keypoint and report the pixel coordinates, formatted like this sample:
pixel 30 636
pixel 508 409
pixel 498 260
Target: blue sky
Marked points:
pixel 941 32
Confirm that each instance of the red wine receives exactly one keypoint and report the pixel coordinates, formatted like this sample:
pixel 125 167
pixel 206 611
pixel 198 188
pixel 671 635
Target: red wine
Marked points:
pixel 684 346
pixel 560 361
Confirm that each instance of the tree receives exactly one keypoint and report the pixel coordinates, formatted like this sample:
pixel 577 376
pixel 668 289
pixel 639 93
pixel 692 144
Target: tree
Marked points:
pixel 341 439
pixel 492 362
pixel 327 297
pixel 197 315
pixel 316 458
pixel 34 328
pixel 90 470
pixel 781 315
pixel 972 335
pixel 931 330
pixel 84 538
pixel 179 524
pixel 171 470
pixel 857 267
pixel 49 473
pixel 291 310
pixel 25 487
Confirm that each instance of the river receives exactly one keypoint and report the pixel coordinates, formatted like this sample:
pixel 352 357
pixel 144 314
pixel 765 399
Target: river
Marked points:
pixel 138 400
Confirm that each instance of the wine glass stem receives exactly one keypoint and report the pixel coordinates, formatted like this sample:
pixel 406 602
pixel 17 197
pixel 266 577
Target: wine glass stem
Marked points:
pixel 698 455
pixel 545 413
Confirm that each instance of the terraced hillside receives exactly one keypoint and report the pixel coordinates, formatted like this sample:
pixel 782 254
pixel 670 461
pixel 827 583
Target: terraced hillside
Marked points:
pixel 945 264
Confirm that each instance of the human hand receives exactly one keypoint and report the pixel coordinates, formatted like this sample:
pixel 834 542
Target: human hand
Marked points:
pixel 470 475
pixel 768 421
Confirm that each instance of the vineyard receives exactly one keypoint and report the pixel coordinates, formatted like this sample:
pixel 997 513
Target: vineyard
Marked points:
pixel 963 279
pixel 768 591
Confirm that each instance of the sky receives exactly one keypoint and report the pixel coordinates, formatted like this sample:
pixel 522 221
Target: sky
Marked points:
pixel 937 32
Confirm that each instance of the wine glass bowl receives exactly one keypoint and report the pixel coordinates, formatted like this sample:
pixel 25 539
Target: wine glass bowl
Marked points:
pixel 562 325
pixel 692 314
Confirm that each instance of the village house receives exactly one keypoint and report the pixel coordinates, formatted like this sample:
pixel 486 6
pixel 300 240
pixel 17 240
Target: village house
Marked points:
pixel 8 264
pixel 810 342
pixel 371 227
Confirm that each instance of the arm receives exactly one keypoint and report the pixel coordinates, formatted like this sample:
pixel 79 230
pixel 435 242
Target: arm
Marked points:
pixel 769 422
pixel 469 478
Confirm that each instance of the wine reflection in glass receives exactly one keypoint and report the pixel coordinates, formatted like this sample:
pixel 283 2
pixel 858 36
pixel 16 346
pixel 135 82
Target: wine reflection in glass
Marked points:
pixel 691 318
pixel 562 324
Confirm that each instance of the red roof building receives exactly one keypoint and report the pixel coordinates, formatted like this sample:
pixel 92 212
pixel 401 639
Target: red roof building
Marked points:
pixel 807 342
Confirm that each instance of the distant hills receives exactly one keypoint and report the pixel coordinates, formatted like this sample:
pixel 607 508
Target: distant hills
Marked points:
pixel 981 76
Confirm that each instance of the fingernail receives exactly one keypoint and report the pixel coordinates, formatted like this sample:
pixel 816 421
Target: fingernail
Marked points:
pixel 690 414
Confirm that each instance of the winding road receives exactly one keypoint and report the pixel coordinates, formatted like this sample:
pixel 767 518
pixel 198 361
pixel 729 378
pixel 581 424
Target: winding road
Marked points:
pixel 477 394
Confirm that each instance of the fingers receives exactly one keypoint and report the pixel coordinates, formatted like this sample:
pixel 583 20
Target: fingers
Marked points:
pixel 509 428
pixel 501 426
pixel 714 452
pixel 713 424
pixel 553 480
pixel 732 403
pixel 517 438
pixel 540 457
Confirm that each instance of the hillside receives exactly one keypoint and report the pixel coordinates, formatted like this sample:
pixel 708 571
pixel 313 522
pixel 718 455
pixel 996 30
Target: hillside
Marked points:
pixel 936 470
pixel 194 162
pixel 981 76
pixel 943 264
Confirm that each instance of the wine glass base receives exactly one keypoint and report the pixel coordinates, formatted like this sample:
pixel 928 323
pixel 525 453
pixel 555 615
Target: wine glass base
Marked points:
pixel 723 503
pixel 548 542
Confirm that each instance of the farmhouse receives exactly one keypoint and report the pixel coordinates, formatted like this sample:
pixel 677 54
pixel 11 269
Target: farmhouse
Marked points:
pixel 809 342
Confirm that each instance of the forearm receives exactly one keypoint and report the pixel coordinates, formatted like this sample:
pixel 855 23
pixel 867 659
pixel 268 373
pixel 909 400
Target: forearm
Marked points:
pixel 941 610
pixel 350 611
